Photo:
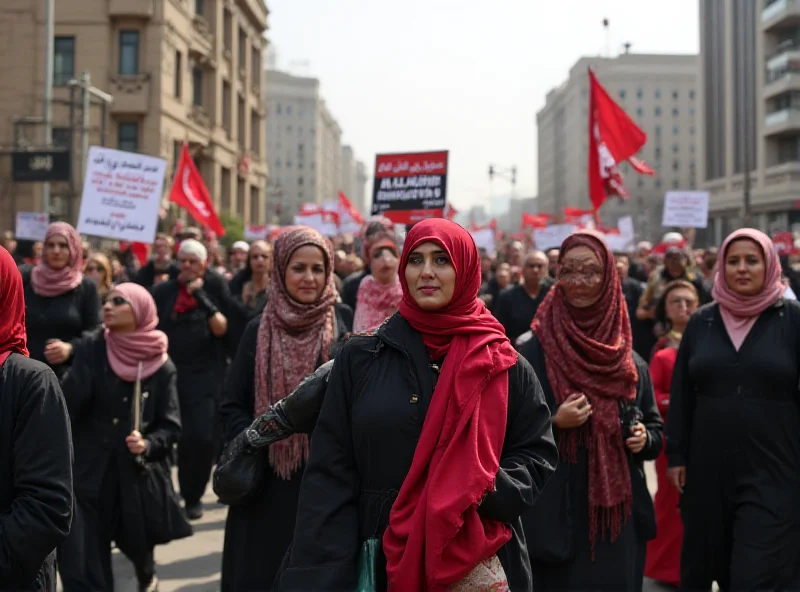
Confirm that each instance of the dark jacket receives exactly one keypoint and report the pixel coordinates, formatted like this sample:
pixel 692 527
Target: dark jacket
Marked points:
pixel 363 446
pixel 146 276
pixel 35 474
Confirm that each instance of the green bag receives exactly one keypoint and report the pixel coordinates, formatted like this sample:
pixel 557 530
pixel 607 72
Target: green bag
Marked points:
pixel 367 581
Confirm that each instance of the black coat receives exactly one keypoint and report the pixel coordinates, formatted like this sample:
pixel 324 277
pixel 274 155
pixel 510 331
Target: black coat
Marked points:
pixel 35 474
pixel 363 446
pixel 146 276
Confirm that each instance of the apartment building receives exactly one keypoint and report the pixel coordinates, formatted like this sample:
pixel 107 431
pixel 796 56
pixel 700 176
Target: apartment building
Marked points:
pixel 178 71
pixel 659 93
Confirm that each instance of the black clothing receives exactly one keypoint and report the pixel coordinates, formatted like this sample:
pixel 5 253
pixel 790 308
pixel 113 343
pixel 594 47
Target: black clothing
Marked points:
pixel 106 478
pixel 350 287
pixel 638 272
pixel 733 423
pixel 201 360
pixel 515 308
pixel 616 564
pixel 35 474
pixel 491 288
pixel 63 317
pixel 242 314
pixel 146 276
pixel 632 290
pixel 257 535
pixel 363 446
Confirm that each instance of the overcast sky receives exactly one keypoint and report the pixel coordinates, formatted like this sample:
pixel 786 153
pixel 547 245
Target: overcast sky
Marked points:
pixel 462 75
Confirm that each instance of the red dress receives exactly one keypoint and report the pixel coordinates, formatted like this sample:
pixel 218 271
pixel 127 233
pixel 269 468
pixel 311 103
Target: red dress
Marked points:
pixel 664 551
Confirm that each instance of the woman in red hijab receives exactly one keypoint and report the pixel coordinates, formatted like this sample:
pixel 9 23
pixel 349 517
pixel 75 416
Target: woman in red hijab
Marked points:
pixel 433 439
pixel 35 451
pixel 734 420
pixel 590 529
pixel 125 359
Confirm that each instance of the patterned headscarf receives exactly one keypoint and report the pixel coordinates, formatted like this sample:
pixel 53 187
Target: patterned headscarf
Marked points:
pixel 293 339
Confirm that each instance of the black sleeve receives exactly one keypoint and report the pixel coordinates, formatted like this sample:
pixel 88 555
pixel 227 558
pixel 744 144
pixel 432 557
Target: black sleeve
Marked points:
pixel 350 288
pixel 345 315
pixel 502 309
pixel 652 418
pixel 77 383
pixel 166 427
pixel 145 276
pixel 326 538
pixel 90 306
pixel 529 455
pixel 237 408
pixel 40 516
pixel 681 401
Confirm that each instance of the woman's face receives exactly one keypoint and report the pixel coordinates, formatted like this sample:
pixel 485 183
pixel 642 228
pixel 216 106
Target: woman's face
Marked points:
pixel 260 259
pixel 675 264
pixel 56 252
pixel 95 272
pixel 306 274
pixel 384 266
pixel 681 304
pixel 430 276
pixel 745 267
pixel 581 277
pixel 118 313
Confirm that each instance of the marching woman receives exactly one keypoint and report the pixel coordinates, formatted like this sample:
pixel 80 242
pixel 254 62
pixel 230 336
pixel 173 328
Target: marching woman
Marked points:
pixel 380 292
pixel 432 441
pixel 301 327
pixel 35 452
pixel 589 531
pixel 113 446
pixel 60 303
pixel 732 442
pixel 673 312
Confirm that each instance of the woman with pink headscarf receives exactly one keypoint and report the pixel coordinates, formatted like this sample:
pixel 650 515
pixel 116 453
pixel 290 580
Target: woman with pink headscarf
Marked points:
pixel 122 397
pixel 61 303
pixel 732 434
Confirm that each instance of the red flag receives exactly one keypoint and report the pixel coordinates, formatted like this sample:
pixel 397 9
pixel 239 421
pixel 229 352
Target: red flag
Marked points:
pixel 189 192
pixel 449 211
pixel 613 138
pixel 346 207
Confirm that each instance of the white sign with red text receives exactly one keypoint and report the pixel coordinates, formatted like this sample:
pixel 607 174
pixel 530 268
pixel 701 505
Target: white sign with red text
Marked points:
pixel 685 209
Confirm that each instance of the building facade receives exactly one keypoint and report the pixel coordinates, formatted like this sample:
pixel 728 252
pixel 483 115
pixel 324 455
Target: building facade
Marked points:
pixel 303 143
pixel 659 93
pixel 354 179
pixel 359 199
pixel 177 70
pixel 750 114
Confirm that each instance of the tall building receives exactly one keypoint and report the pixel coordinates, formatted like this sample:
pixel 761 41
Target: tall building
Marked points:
pixel 178 70
pixel 360 200
pixel 353 179
pixel 659 93
pixel 303 143
pixel 749 97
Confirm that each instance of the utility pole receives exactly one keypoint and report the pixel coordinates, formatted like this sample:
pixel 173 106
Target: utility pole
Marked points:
pixel 509 174
pixel 49 68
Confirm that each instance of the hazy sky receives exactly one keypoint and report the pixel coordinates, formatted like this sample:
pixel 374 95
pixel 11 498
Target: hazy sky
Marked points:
pixel 461 75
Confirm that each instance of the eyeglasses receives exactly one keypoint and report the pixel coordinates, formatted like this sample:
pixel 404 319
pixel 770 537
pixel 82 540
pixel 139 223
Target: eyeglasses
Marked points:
pixel 118 301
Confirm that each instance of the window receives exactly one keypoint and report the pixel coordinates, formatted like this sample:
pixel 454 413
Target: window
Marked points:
pixel 639 94
pixel 241 124
pixel 288 109
pixel 691 130
pixel 658 111
pixel 675 148
pixel 240 188
pixel 639 112
pixel 177 148
pixel 640 182
pixel 61 137
pixel 227 32
pixel 691 94
pixel 675 130
pixel 658 152
pixel 288 163
pixel 675 112
pixel 227 114
pixel 300 130
pixel 255 132
pixel 658 94
pixel 622 94
pixel 278 109
pixel 278 163
pixel 178 74
pixel 255 66
pixel 299 180
pixel 676 183
pixel 64 60
pixel 692 111
pixel 255 202
pixel 675 95
pixel 199 7
pixel 225 180
pixel 197 86
pixel 128 136
pixel 128 53
pixel 691 149
pixel 658 130
pixel 658 183
pixel 242 51
pixel 675 165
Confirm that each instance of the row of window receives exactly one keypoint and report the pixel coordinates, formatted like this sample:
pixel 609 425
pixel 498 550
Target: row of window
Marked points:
pixel 640 94
pixel 288 164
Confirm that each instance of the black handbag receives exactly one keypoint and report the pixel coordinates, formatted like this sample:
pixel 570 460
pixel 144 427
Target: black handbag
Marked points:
pixel 164 519
pixel 239 476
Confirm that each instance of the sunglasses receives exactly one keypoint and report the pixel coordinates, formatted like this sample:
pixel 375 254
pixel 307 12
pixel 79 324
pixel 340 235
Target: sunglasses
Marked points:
pixel 118 301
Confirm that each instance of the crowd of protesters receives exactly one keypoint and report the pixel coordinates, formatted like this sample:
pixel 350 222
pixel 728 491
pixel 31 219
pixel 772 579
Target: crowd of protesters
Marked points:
pixel 487 443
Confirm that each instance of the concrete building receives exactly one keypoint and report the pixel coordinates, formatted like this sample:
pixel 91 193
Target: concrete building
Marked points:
pixel 749 96
pixel 303 143
pixel 353 179
pixel 360 199
pixel 178 70
pixel 659 93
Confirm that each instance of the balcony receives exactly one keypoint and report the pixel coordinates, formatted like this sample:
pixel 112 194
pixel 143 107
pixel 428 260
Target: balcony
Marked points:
pixel 782 122
pixel 780 13
pixel 131 94
pixel 201 41
pixel 143 9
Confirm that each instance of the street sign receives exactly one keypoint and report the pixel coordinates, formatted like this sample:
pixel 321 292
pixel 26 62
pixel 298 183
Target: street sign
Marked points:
pixel 41 166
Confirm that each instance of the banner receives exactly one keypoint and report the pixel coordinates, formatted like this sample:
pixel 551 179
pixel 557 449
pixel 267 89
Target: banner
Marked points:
pixel 190 192
pixel 552 236
pixel 410 187
pixel 121 195
pixel 31 226
pixel 685 209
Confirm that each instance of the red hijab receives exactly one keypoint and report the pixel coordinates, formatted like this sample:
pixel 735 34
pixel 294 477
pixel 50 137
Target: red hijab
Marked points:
pixel 588 351
pixel 435 536
pixel 12 309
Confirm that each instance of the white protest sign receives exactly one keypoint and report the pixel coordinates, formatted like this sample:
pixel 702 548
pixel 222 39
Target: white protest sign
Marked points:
pixel 253 232
pixel 552 236
pixel 484 239
pixel 121 195
pixel 31 226
pixel 326 225
pixel 625 226
pixel 686 209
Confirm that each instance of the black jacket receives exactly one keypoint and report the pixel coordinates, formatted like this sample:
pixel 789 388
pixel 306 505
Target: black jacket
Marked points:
pixel 362 449
pixel 35 474
pixel 146 276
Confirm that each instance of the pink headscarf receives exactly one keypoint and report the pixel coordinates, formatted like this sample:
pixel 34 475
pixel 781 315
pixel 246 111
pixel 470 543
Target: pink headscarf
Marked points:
pixel 145 344
pixel 49 282
pixel 739 313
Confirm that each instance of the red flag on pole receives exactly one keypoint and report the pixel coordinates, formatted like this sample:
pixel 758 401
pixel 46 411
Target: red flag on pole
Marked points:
pixel 613 138
pixel 190 192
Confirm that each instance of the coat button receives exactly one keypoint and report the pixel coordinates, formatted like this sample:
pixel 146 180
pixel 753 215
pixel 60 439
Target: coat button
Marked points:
pixel 115 421
pixel 414 398
pixel 124 399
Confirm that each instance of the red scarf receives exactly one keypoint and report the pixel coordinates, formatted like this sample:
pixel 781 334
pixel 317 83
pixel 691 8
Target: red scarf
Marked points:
pixel 12 309
pixel 185 301
pixel 588 351
pixel 435 536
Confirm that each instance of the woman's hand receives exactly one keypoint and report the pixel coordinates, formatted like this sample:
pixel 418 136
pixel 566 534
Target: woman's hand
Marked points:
pixel 638 440
pixel 57 352
pixel 677 476
pixel 136 444
pixel 573 413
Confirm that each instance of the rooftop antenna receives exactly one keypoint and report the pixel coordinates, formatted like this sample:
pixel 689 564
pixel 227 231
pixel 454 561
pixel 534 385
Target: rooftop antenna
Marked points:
pixel 606 24
pixel 627 46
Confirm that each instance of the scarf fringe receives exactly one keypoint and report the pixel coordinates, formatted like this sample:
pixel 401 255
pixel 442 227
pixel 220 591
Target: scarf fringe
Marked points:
pixel 287 456
pixel 607 522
